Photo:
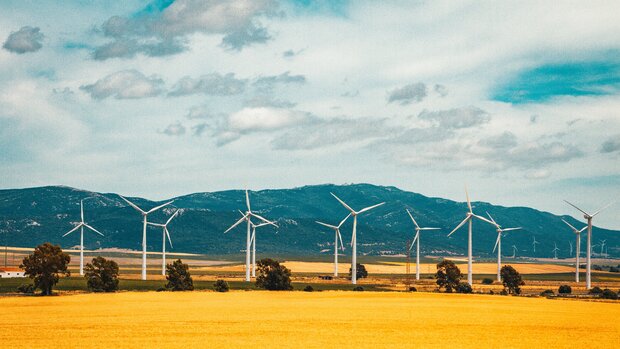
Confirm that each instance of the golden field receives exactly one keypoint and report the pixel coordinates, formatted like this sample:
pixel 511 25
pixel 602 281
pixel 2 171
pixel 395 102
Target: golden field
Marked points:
pixel 262 319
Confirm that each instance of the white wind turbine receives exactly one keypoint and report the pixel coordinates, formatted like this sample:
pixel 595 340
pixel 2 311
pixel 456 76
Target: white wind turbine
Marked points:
pixel 144 214
pixel 534 243
pixel 468 219
pixel 165 233
pixel 498 244
pixel 588 218
pixel 602 247
pixel 354 235
pixel 514 251
pixel 577 247
pixel 555 251
pixel 416 238
pixel 247 217
pixel 570 246
pixel 337 237
pixel 81 226
pixel 253 241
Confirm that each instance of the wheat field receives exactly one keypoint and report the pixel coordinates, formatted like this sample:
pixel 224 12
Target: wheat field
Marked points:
pixel 262 319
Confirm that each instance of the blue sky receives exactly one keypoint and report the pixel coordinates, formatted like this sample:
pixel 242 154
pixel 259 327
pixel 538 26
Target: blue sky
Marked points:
pixel 518 100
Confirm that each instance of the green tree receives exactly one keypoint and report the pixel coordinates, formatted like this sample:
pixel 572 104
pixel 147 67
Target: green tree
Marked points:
pixel 101 275
pixel 220 286
pixel 45 265
pixel 361 271
pixel 272 275
pixel 448 275
pixel 511 279
pixel 179 277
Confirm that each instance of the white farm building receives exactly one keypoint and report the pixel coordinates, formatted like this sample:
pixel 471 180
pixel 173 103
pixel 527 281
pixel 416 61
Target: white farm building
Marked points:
pixel 11 273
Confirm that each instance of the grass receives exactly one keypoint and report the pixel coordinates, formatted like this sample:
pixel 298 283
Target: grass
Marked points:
pixel 310 320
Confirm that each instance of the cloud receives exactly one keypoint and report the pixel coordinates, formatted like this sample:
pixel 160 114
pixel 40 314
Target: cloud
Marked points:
pixel 456 118
pixel 408 94
pixel 27 39
pixel 611 145
pixel 161 27
pixel 125 84
pixel 176 129
pixel 213 84
pixel 501 141
pixel 266 119
pixel 268 83
pixel 441 90
pixel 266 100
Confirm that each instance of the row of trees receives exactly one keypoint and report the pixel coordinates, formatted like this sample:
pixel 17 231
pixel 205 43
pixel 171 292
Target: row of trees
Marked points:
pixel 448 276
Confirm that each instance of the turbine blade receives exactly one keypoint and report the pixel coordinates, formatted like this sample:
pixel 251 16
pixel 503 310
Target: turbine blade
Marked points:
pixel 497 242
pixel 460 225
pixel 415 238
pixel 155 224
pixel 509 229
pixel 172 217
pixel 263 219
pixel 344 220
pixel 82 210
pixel 370 207
pixel 492 220
pixel 168 236
pixel 584 228
pixel 604 207
pixel 340 238
pixel 468 201
pixel 327 225
pixel 74 229
pixel 575 229
pixel 93 229
pixel 343 203
pixel 132 204
pixel 253 236
pixel 247 200
pixel 484 219
pixel 158 207
pixel 236 224
pixel 411 216
pixel 584 212
pixel 429 229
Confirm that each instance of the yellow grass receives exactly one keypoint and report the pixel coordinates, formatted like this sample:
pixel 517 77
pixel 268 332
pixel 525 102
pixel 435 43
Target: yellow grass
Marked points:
pixel 301 320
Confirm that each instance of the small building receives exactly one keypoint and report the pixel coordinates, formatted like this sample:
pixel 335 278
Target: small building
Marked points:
pixel 11 273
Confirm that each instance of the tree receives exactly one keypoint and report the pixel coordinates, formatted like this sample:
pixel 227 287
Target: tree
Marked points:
pixel 609 294
pixel 565 289
pixel 448 275
pixel 487 281
pixel 45 265
pixel 464 287
pixel 273 276
pixel 178 276
pixel 221 286
pixel 361 271
pixel 101 275
pixel 511 279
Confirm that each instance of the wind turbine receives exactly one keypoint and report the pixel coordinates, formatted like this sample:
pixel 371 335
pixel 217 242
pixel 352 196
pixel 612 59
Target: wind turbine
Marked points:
pixel 534 243
pixel 514 251
pixel 417 239
pixel 81 226
pixel 498 244
pixel 602 247
pixel 247 217
pixel 253 240
pixel 588 218
pixel 144 214
pixel 165 234
pixel 570 246
pixel 468 219
pixel 577 247
pixel 555 251
pixel 354 235
pixel 337 237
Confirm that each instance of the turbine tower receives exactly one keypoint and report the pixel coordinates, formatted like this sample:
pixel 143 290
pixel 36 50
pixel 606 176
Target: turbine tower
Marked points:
pixel 81 226
pixel 247 217
pixel 354 235
pixel 602 247
pixel 144 214
pixel 253 241
pixel 498 244
pixel 416 238
pixel 514 251
pixel 165 233
pixel 588 218
pixel 337 237
pixel 534 243
pixel 555 251
pixel 468 219
pixel 577 247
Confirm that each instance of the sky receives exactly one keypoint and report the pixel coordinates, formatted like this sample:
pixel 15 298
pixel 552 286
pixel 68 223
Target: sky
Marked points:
pixel 520 101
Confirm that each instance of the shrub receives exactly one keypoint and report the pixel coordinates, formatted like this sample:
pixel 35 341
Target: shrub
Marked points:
pixel 413 289
pixel 609 294
pixel 511 279
pixel 101 275
pixel 491 292
pixel 161 289
pixel 614 270
pixel 45 265
pixel 448 275
pixel 597 267
pixel 595 290
pixel 360 271
pixel 503 292
pixel 358 288
pixel 565 289
pixel 26 288
pixel 179 277
pixel 273 276
pixel 308 288
pixel 547 293
pixel 463 287
pixel 220 286
pixel 487 281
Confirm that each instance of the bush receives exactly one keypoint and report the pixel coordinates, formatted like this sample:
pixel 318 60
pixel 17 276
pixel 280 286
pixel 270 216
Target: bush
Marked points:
pixel 220 286
pixel 511 279
pixel 597 267
pixel 308 288
pixel 463 287
pixel 595 290
pixel 358 288
pixel 360 272
pixel 273 276
pixel 565 289
pixel 487 281
pixel 547 293
pixel 614 270
pixel 178 276
pixel 609 294
pixel 161 289
pixel 45 265
pixel 448 275
pixel 26 288
pixel 101 275
pixel 503 292
pixel 491 292
pixel 413 289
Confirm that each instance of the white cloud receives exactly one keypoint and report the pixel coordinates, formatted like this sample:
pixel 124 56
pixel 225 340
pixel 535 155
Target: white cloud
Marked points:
pixel 456 118
pixel 213 84
pixel 176 129
pixel 125 84
pixel 408 94
pixel 27 39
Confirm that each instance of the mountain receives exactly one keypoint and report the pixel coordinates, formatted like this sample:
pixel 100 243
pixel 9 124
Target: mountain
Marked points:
pixel 34 215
